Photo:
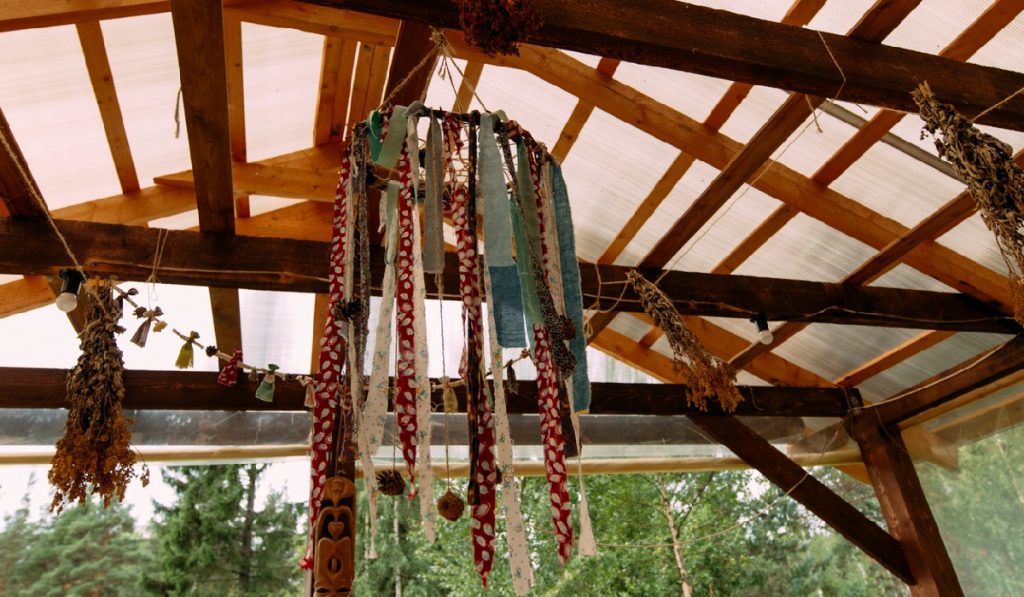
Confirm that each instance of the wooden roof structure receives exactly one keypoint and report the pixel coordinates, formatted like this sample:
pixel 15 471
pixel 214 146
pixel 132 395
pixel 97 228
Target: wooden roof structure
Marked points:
pixel 369 46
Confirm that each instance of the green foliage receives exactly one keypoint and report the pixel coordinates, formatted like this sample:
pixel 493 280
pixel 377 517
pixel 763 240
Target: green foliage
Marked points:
pixel 88 550
pixel 212 541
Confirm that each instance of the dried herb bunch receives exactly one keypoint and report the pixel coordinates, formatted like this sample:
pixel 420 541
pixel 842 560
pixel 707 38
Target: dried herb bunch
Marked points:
pixel 705 375
pixel 994 180
pixel 498 26
pixel 95 451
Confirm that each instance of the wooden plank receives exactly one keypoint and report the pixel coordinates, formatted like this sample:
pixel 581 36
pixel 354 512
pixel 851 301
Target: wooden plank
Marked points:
pixel 368 81
pixel 811 493
pixel 90 35
pixel 891 357
pixel 765 230
pixel 212 259
pixel 370 29
pixel 470 79
pixel 236 101
pixel 980 423
pixel 24 294
pixel 905 508
pixel 17 14
pixel 335 85
pixel 195 390
pixel 19 192
pixel 1007 359
pixel 199 36
pixel 262 179
pixel 730 46
pixel 408 74
pixel 320 303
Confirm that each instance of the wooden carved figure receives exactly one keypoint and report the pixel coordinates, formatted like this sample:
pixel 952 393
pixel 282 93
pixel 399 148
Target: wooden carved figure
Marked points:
pixel 334 551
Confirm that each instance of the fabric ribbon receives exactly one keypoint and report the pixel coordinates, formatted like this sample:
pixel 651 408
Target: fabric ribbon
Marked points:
pixel 406 382
pixel 433 203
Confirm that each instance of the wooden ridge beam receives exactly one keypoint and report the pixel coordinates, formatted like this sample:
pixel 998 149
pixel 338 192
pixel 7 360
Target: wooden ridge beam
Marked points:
pixel 197 390
pixel 1004 361
pixel 719 44
pixel 815 496
pixel 221 260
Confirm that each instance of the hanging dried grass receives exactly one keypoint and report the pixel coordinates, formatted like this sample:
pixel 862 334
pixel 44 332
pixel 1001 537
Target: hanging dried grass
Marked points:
pixel 95 451
pixel 704 374
pixel 995 181
pixel 498 26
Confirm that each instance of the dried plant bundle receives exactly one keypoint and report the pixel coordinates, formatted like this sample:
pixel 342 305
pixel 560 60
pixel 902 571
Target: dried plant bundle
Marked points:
pixel 705 375
pixel 986 165
pixel 498 26
pixel 95 453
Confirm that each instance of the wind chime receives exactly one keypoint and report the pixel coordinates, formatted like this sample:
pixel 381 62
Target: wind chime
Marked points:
pixel 469 167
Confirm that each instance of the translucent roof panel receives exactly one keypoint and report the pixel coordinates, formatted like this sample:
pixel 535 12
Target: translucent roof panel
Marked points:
pixel 934 24
pixel 48 100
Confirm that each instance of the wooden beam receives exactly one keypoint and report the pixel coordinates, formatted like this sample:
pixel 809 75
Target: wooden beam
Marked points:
pixel 199 36
pixel 368 80
pixel 891 357
pixel 216 260
pixel 90 35
pixel 983 422
pixel 408 75
pixel 195 390
pixel 330 122
pixel 1005 360
pixel 19 193
pixel 366 28
pixel 24 294
pixel 233 54
pixel 905 508
pixel 580 114
pixel 470 79
pixel 731 46
pixel 815 496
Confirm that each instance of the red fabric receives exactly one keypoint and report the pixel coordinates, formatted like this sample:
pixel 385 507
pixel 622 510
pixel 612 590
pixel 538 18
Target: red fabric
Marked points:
pixel 332 353
pixel 484 480
pixel 554 442
pixel 405 370
pixel 229 374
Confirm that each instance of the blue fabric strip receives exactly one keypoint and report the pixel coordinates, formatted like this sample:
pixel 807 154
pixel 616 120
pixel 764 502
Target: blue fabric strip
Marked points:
pixel 527 283
pixel 507 306
pixel 571 291
pixel 391 149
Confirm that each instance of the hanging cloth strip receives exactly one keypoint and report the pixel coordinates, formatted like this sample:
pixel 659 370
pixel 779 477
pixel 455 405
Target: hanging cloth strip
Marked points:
pixel 504 274
pixel 515 528
pixel 331 349
pixel 425 486
pixel 433 202
pixel 406 382
pixel 483 476
pixel 371 425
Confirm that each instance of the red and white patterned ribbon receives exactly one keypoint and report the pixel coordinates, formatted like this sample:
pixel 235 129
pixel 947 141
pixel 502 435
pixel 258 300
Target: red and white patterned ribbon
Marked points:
pixel 332 351
pixel 406 383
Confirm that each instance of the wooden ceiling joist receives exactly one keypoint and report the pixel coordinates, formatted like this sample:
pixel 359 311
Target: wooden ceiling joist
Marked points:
pixel 221 260
pixel 196 390
pixel 731 46
pixel 580 114
pixel 339 55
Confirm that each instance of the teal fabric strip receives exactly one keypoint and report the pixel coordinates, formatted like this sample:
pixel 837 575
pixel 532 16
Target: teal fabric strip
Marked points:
pixel 391 149
pixel 433 230
pixel 528 198
pixel 527 283
pixel 390 219
pixel 571 292
pixel 374 125
pixel 507 303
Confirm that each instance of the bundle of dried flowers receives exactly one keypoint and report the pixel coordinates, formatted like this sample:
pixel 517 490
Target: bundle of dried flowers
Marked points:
pixel 498 26
pixel 705 375
pixel 95 452
pixel 994 180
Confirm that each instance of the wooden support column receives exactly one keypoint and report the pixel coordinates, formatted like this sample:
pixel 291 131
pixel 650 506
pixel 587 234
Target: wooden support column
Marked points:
pixel 801 486
pixel 905 507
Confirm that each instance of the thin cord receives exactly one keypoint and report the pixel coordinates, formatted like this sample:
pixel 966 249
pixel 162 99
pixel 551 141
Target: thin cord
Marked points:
pixel 998 104
pixel 439 283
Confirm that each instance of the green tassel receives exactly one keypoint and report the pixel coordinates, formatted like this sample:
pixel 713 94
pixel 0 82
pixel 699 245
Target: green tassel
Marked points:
pixel 185 355
pixel 266 390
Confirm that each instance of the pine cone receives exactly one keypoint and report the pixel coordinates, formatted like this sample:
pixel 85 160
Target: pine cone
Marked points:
pixel 391 482
pixel 451 506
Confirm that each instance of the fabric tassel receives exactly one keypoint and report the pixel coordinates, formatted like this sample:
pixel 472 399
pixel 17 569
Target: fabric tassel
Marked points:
pixel 186 357
pixel 705 375
pixel 309 384
pixel 265 391
pixel 141 334
pixel 451 402
pixel 121 296
pixel 229 374
pixel 159 326
pixel 515 529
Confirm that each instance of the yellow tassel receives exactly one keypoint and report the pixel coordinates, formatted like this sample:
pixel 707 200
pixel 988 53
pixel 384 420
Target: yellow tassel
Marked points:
pixel 185 355
pixel 451 403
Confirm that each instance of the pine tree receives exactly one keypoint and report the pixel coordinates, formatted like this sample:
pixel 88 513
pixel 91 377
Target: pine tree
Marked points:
pixel 212 540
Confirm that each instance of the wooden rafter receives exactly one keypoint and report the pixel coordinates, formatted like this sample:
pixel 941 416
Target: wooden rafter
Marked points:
pixel 98 65
pixel 580 114
pixel 330 121
pixel 730 46
pixel 236 101
pixel 199 35
pixel 470 79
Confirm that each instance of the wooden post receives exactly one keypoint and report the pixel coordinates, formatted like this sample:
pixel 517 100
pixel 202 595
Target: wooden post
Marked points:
pixel 905 507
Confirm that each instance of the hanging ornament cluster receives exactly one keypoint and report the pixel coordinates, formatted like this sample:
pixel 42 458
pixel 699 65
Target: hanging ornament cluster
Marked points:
pixel 705 375
pixel 524 267
pixel 95 452
pixel 986 165
pixel 498 26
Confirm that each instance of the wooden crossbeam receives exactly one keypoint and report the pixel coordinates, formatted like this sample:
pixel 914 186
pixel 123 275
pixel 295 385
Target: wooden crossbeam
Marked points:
pixel 580 114
pixel 220 260
pixel 367 28
pixel 196 390
pixel 815 496
pixel 470 79
pixel 98 65
pixel 1004 361
pixel 731 46
pixel 330 122
pixel 895 355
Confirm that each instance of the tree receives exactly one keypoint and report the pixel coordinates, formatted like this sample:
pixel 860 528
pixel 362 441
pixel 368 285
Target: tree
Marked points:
pixel 88 550
pixel 18 536
pixel 213 540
